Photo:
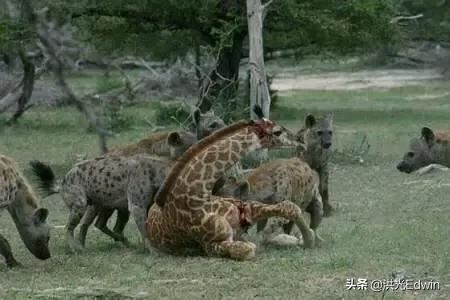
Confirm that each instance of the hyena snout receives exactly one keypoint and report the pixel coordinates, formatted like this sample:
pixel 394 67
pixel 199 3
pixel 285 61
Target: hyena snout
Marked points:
pixel 40 250
pixel 403 167
pixel 326 145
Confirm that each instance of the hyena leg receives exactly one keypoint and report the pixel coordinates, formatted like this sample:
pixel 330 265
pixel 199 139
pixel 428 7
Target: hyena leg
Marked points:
pixel 77 203
pixel 102 223
pixel 287 210
pixel 86 222
pixel 138 201
pixel 123 215
pixel 328 209
pixel 220 242
pixel 315 208
pixel 5 250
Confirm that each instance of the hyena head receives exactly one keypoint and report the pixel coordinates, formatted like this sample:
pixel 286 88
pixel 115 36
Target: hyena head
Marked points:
pixel 231 187
pixel 422 151
pixel 179 142
pixel 35 233
pixel 318 133
pixel 206 123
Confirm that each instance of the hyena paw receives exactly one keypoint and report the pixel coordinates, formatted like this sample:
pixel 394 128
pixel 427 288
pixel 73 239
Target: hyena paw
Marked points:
pixel 309 239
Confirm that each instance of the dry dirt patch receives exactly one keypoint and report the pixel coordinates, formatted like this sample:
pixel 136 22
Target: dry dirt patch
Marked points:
pixel 355 80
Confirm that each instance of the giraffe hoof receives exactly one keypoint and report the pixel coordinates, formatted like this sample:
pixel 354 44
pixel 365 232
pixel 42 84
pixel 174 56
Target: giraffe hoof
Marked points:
pixel 283 240
pixel 243 250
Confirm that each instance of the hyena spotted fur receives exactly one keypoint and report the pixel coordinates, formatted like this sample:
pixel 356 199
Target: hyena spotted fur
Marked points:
pixel 109 181
pixel 170 144
pixel 317 136
pixel 18 198
pixel 276 181
pixel 165 144
pixel 429 151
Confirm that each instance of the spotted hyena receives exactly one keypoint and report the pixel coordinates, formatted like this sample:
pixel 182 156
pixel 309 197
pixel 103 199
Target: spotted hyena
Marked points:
pixel 18 198
pixel 109 181
pixel 430 150
pixel 317 136
pixel 276 181
pixel 165 144
pixel 205 123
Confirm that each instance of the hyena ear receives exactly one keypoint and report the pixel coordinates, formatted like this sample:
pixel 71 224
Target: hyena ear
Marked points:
pixel 258 111
pixel 40 215
pixel 310 121
pixel 174 139
pixel 428 135
pixel 242 189
pixel 330 117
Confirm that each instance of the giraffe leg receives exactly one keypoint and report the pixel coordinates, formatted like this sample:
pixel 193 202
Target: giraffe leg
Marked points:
pixel 5 250
pixel 284 209
pixel 238 250
pixel 86 222
pixel 219 241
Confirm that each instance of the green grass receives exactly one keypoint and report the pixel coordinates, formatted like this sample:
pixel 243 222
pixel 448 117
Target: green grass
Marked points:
pixel 386 221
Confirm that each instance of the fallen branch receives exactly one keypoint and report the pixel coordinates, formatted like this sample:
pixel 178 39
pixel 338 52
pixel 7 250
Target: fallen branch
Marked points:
pixel 405 18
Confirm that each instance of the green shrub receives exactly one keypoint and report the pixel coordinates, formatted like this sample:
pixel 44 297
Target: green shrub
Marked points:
pixel 107 83
pixel 174 113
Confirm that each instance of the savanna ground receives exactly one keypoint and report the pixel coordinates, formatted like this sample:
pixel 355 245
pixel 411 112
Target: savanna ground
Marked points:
pixel 387 224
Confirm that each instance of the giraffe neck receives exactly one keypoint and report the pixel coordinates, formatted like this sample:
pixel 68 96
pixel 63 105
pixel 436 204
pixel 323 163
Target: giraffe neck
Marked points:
pixel 191 182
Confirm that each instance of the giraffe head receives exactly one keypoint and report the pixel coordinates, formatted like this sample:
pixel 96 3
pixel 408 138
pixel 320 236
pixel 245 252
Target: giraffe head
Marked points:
pixel 271 135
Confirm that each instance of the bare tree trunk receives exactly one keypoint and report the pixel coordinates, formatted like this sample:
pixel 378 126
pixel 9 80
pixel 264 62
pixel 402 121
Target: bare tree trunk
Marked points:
pixel 259 90
pixel 29 72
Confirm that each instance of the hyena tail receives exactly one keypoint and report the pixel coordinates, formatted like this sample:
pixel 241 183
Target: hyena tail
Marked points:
pixel 46 177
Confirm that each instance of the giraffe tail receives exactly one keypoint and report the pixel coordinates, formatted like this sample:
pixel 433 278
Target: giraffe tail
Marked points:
pixel 46 178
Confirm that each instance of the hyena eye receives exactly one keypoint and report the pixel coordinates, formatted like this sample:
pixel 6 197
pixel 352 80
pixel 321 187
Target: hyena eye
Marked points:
pixel 330 132
pixel 277 133
pixel 214 125
pixel 410 154
pixel 320 132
